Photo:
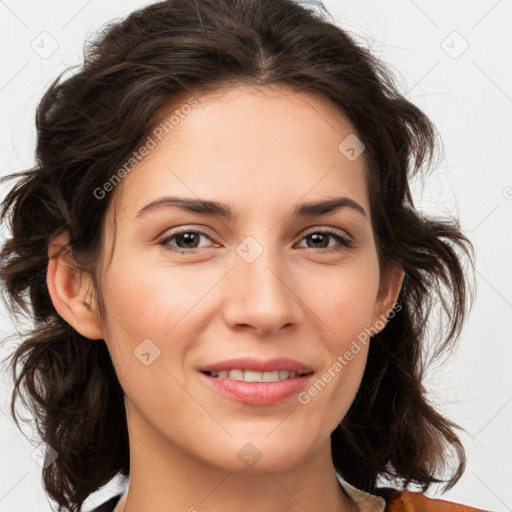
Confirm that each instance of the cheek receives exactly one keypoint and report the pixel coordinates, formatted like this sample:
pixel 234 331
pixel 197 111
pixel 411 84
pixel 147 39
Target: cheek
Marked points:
pixel 151 299
pixel 344 298
pixel 150 328
pixel 345 309
pixel 154 308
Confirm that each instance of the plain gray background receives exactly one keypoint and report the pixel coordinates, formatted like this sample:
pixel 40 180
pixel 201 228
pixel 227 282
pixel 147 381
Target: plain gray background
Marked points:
pixel 452 59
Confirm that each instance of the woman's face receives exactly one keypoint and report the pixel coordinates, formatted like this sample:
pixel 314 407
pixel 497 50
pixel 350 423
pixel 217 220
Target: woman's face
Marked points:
pixel 200 302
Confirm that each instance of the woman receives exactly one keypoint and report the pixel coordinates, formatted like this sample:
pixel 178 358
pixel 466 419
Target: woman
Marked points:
pixel 229 282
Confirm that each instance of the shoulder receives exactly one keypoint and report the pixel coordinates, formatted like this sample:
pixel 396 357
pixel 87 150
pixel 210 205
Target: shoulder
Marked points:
pixel 408 501
pixel 109 505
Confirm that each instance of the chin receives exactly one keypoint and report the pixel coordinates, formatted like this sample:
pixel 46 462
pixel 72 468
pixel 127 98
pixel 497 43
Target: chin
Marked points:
pixel 258 454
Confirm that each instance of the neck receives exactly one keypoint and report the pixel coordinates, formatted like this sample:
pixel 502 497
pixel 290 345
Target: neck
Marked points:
pixel 163 477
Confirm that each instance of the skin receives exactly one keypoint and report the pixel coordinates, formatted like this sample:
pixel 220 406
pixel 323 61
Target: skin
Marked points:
pixel 261 151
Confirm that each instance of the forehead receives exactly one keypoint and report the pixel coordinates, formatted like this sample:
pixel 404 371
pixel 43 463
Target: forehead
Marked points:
pixel 256 148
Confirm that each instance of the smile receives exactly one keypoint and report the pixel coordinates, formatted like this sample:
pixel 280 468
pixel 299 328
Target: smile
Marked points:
pixel 257 382
pixel 254 376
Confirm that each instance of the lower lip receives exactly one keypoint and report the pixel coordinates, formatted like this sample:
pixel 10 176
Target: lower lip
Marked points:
pixel 257 393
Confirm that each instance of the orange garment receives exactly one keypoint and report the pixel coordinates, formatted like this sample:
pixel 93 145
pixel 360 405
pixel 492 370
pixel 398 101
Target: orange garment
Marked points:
pixel 408 501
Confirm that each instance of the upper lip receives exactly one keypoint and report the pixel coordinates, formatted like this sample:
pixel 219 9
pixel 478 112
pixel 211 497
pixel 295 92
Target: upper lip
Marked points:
pixel 259 365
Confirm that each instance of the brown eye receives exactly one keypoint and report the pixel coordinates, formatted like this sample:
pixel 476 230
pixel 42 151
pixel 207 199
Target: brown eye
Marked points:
pixel 321 240
pixel 188 238
pixel 184 241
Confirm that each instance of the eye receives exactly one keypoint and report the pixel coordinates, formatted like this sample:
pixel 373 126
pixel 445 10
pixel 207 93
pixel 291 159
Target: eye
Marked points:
pixel 321 239
pixel 186 241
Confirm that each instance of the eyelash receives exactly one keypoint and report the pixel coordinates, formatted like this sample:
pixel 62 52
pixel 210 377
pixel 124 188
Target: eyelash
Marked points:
pixel 345 243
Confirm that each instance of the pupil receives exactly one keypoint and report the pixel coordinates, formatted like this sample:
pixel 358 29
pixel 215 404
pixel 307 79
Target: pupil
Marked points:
pixel 188 238
pixel 317 238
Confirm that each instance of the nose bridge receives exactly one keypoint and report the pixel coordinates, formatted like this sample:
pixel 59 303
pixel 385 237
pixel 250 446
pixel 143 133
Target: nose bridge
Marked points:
pixel 260 294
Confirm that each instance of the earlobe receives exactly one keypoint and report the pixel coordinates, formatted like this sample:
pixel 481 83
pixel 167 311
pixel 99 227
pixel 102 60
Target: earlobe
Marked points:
pixel 71 289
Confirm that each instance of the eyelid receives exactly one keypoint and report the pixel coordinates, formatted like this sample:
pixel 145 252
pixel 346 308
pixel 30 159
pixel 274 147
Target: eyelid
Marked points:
pixel 167 235
pixel 345 241
pixel 327 229
pixel 185 229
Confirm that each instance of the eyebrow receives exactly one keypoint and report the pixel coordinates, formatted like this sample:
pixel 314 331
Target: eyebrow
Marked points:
pixel 222 210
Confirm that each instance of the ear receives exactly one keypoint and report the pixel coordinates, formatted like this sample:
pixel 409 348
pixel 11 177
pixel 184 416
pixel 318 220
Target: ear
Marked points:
pixel 389 289
pixel 71 290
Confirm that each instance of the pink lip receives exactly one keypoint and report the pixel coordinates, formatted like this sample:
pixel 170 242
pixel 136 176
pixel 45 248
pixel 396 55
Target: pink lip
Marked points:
pixel 258 393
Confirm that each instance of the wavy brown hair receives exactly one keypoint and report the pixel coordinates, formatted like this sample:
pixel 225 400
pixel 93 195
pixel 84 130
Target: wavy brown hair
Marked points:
pixel 90 123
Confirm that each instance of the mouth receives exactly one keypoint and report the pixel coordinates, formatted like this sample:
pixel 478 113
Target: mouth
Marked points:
pixel 255 376
pixel 256 382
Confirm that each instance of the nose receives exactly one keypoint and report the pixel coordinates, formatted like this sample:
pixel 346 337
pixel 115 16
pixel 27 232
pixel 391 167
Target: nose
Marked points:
pixel 260 296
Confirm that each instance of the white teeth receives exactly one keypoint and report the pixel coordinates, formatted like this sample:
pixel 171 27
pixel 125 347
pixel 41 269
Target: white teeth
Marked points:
pixel 236 374
pixel 271 376
pixel 253 376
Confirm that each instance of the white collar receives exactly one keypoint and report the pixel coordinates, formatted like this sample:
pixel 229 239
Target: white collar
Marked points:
pixel 365 501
